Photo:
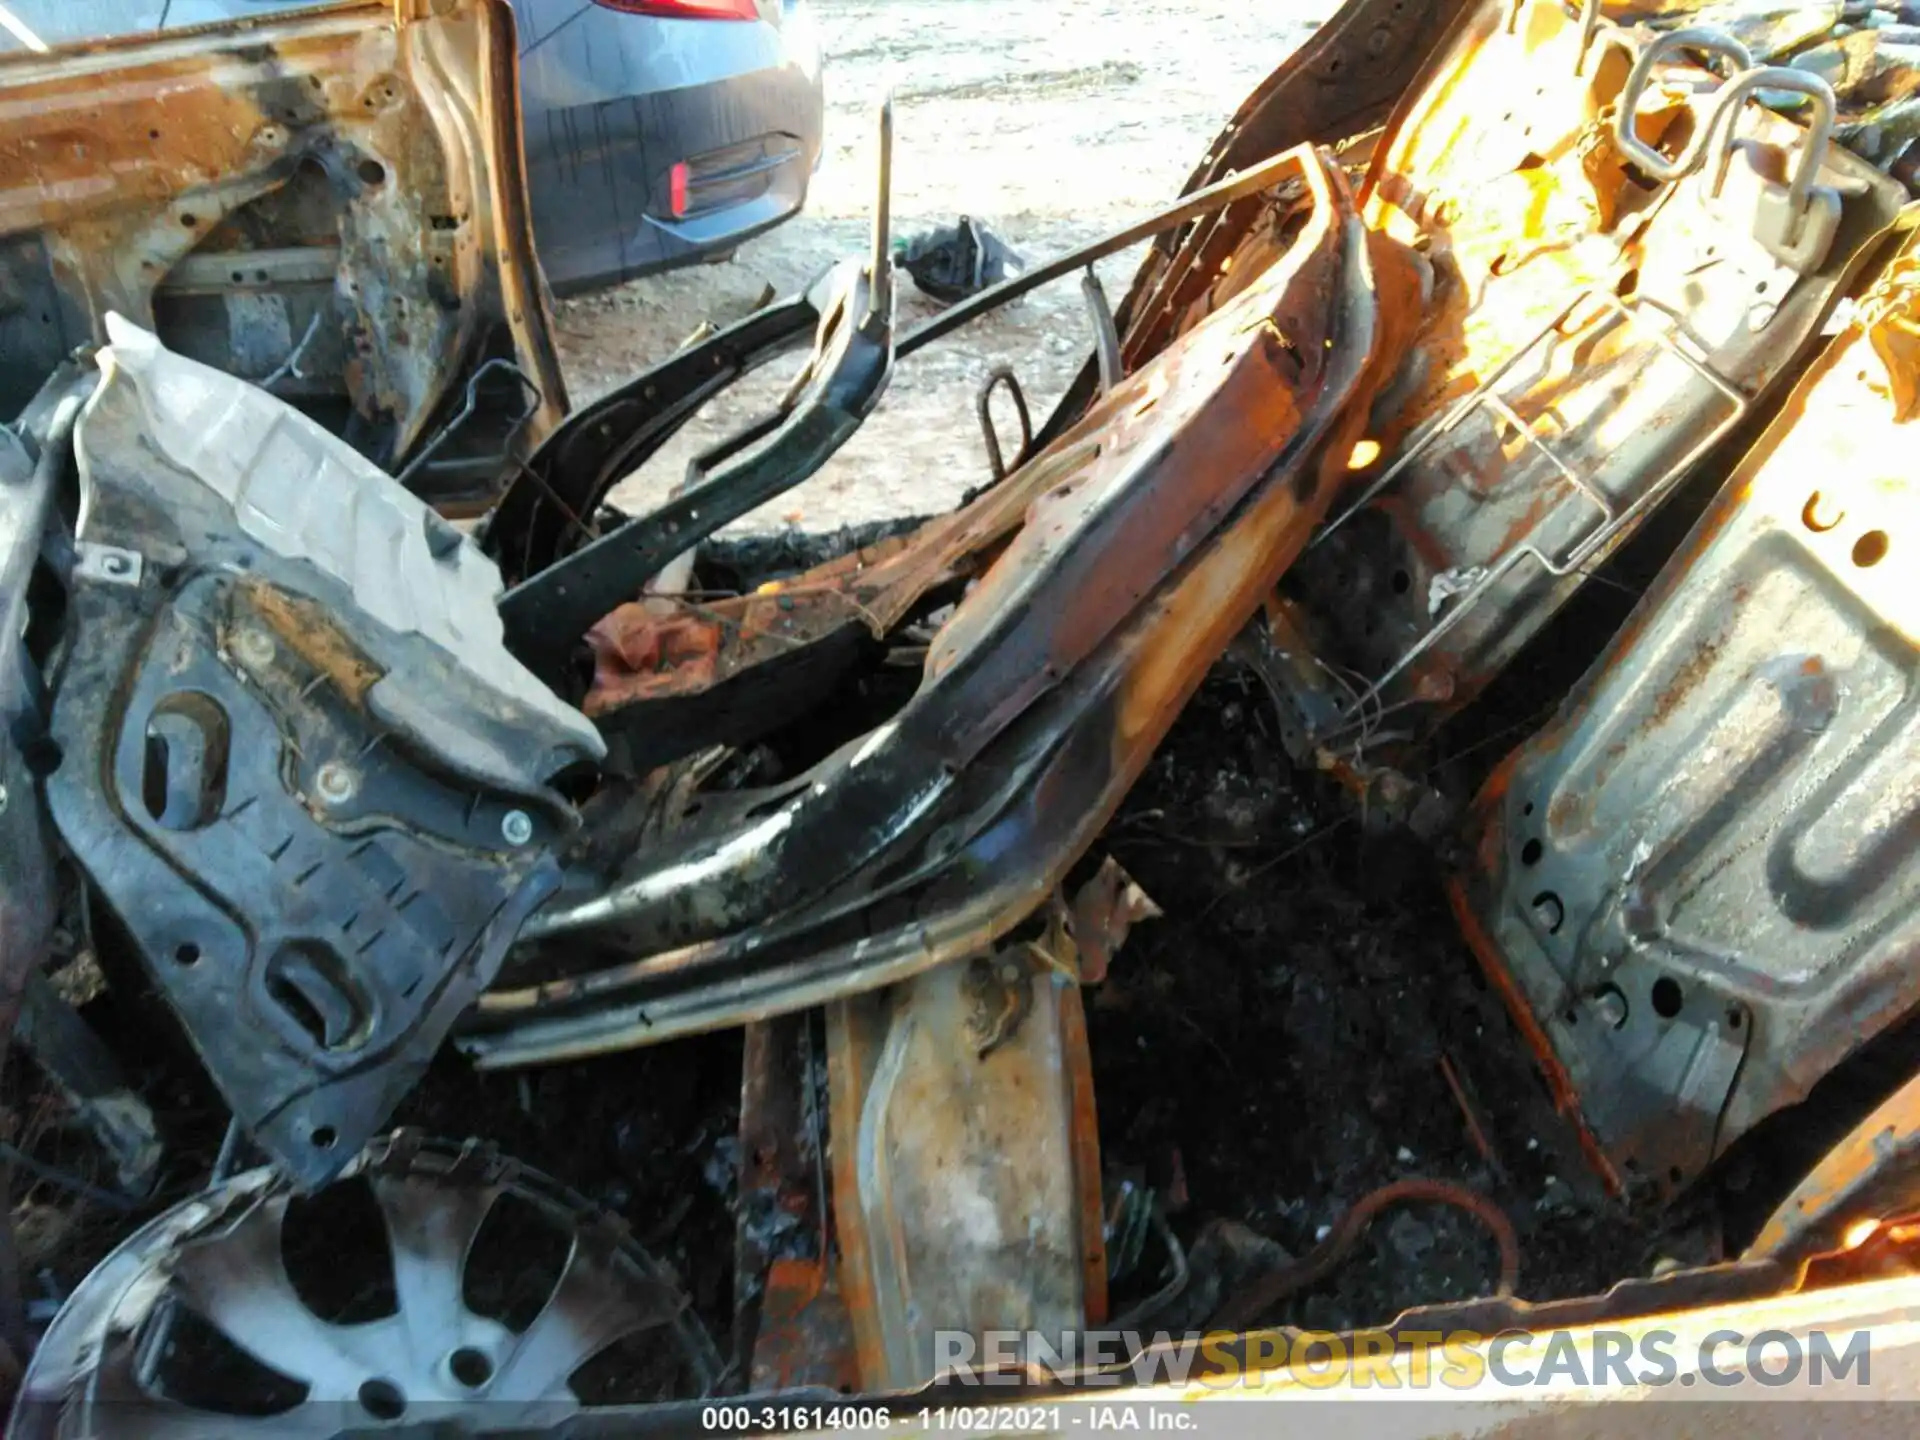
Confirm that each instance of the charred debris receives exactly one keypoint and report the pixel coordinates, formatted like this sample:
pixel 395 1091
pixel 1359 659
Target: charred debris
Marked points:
pixel 1397 793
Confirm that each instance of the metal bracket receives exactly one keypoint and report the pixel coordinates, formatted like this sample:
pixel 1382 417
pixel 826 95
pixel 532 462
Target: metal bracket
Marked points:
pixel 108 564
pixel 469 407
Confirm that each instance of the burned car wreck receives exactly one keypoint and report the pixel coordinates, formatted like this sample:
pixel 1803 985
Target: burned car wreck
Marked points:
pixel 1456 618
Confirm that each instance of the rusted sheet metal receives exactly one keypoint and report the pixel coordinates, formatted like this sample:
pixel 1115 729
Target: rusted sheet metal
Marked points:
pixel 1698 886
pixel 391 150
pixel 806 1335
pixel 1872 1175
pixel 659 646
pixel 788 1318
pixel 1179 446
pixel 1001 828
pixel 958 1145
pixel 1084 1127
pixel 1063 493
pixel 1590 339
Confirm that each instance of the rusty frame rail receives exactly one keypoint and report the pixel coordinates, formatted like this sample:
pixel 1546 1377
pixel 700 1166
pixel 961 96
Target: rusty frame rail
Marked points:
pixel 1043 695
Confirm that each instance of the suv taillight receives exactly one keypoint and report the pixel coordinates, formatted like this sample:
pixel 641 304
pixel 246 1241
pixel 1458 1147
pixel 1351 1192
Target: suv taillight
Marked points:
pixel 687 9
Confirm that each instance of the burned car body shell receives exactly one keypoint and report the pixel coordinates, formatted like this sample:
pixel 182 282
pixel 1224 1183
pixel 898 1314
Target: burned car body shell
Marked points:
pixel 323 799
pixel 1699 883
pixel 330 202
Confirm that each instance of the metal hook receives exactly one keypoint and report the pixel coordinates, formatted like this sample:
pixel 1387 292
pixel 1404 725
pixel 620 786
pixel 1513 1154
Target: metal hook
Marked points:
pixel 1819 130
pixel 1644 156
pixel 1003 375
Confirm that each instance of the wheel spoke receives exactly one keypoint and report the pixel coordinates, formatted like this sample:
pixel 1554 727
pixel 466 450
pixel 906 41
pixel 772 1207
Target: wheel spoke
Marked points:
pixel 237 1282
pixel 126 1410
pixel 431 1228
pixel 589 1309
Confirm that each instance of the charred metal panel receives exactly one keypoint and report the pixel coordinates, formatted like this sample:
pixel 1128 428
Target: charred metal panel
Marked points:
pixel 1591 336
pixel 1701 884
pixel 1090 553
pixel 390 151
pixel 299 765
pixel 960 1100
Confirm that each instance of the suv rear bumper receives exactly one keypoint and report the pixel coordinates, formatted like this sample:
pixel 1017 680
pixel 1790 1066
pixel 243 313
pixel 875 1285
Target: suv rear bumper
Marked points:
pixel 601 173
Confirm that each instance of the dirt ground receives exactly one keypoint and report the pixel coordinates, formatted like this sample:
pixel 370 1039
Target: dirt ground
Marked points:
pixel 1055 123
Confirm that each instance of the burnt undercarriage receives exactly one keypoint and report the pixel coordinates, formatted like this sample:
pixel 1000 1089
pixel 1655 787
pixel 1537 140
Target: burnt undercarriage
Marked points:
pixel 1393 797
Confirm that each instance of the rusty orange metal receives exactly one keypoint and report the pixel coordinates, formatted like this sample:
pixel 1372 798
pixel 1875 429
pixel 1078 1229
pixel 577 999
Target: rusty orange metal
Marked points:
pixel 1188 627
pixel 1566 1099
pixel 806 1335
pixel 1589 340
pixel 1156 661
pixel 966 1162
pixel 660 647
pixel 873 588
pixel 852 1053
pixel 1350 74
pixel 1086 1152
pixel 1872 1173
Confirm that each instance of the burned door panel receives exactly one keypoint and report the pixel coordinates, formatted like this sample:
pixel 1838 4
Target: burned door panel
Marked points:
pixel 330 204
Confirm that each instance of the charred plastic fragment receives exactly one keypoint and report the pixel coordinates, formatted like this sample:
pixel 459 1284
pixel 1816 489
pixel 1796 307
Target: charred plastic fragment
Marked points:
pixel 321 860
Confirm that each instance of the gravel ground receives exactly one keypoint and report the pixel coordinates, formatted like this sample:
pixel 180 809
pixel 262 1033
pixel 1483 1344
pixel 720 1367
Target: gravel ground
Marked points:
pixel 1054 122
